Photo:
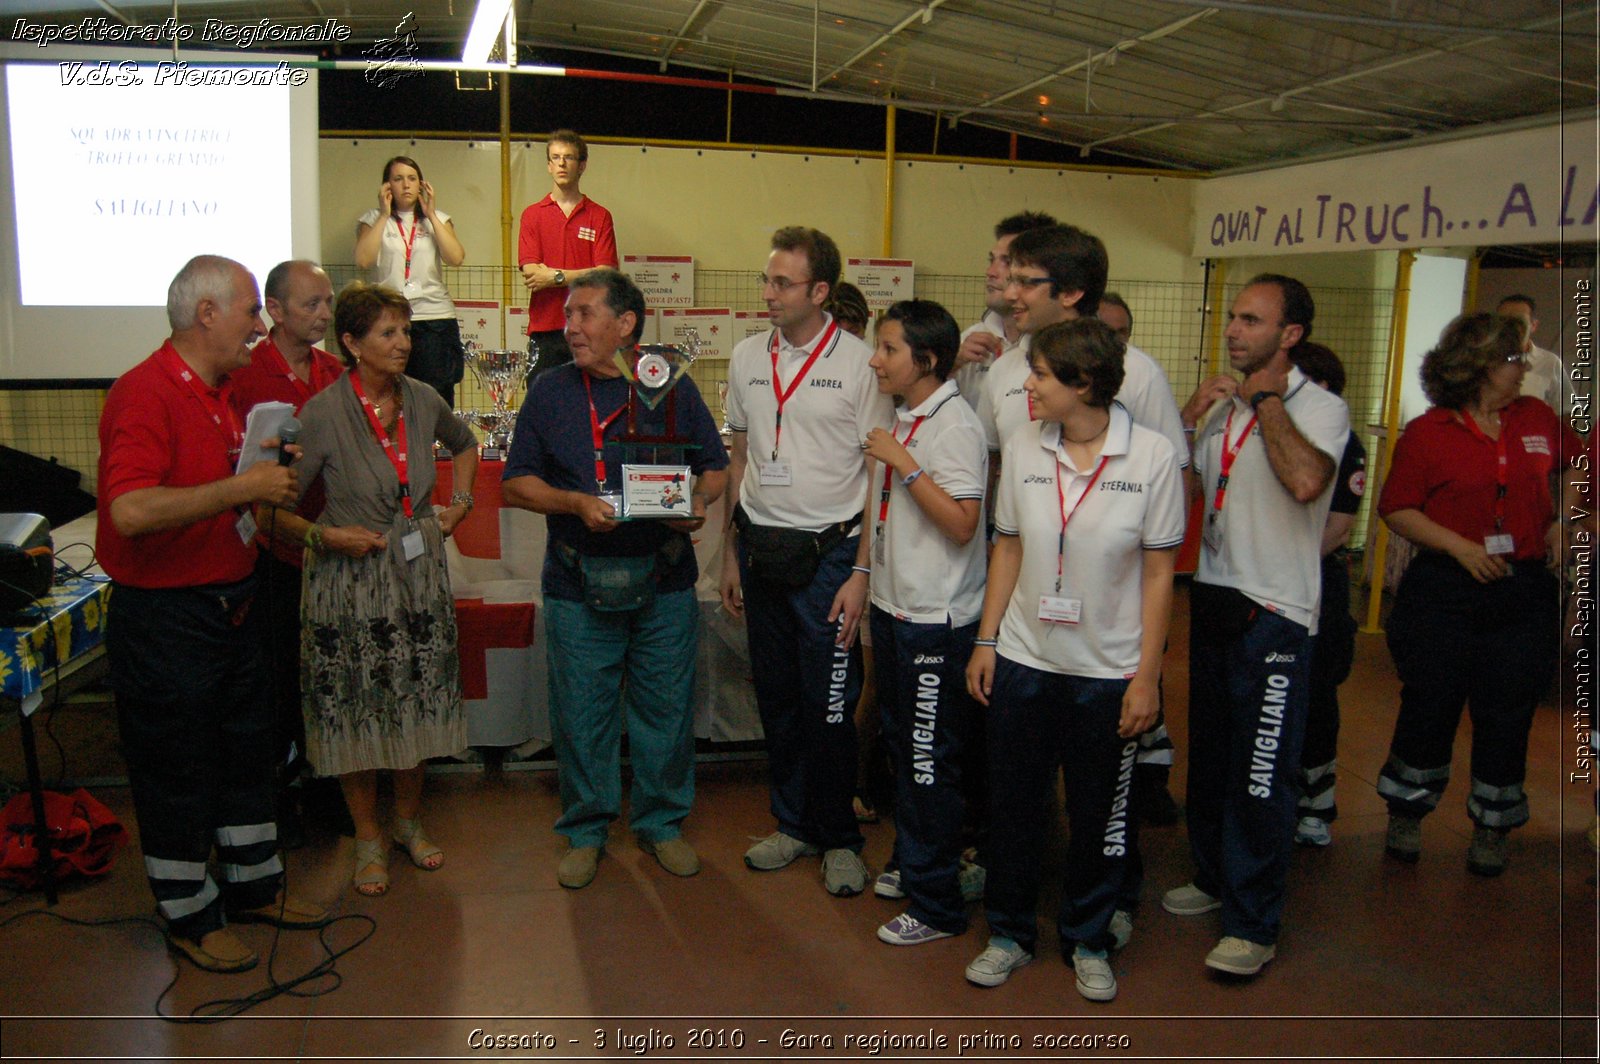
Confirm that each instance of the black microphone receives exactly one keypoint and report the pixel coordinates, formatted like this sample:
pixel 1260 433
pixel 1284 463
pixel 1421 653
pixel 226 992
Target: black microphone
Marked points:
pixel 288 432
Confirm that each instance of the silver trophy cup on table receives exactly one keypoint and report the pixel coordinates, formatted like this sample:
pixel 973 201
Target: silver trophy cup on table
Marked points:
pixel 503 373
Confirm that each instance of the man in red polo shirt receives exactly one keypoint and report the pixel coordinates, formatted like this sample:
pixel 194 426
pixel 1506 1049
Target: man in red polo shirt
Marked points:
pixel 564 236
pixel 176 535
pixel 287 367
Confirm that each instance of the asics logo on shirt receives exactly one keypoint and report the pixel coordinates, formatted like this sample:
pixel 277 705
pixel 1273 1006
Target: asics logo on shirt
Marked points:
pixel 754 381
pixel 1035 478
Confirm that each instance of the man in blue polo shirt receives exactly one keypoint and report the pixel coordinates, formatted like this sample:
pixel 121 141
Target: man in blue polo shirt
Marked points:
pixel 618 595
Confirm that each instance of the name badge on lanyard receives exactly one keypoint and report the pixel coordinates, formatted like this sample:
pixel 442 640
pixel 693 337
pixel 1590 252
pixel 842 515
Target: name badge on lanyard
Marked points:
pixel 246 527
pixel 1059 608
pixel 775 474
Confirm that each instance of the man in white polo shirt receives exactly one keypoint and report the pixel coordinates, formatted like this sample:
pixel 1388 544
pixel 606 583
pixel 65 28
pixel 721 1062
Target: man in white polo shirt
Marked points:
pixel 801 401
pixel 995 333
pixel 1266 461
pixel 1546 375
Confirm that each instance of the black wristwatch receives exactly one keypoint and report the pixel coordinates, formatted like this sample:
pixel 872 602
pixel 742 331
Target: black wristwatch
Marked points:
pixel 1260 397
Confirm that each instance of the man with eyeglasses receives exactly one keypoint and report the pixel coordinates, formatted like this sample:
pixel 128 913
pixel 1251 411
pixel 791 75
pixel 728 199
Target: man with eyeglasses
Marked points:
pixel 801 401
pixel 1547 376
pixel 564 237
pixel 995 333
pixel 1266 461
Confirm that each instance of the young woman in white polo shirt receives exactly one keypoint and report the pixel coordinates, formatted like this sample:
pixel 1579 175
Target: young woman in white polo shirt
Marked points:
pixel 927 592
pixel 1089 518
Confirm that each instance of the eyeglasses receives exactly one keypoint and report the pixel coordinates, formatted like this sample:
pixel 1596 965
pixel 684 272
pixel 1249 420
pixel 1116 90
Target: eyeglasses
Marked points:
pixel 780 285
pixel 1518 358
pixel 565 159
pixel 1026 282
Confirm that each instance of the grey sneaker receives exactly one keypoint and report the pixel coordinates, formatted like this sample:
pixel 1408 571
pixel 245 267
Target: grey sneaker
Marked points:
pixel 907 930
pixel 972 879
pixel 998 960
pixel 888 886
pixel 1121 928
pixel 1486 854
pixel 1404 840
pixel 1189 900
pixel 843 873
pixel 1096 981
pixel 776 851
pixel 1239 956
pixel 1312 831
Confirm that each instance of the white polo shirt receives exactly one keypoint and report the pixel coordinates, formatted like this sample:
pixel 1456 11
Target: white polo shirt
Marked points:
pixel 918 573
pixel 1269 546
pixel 1136 504
pixel 1004 407
pixel 1145 394
pixel 825 422
pixel 969 377
pixel 430 300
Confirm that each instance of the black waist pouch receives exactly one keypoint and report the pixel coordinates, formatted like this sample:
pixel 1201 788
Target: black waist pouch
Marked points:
pixel 786 557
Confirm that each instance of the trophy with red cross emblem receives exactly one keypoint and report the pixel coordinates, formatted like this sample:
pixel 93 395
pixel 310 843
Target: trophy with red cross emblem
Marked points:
pixel 655 480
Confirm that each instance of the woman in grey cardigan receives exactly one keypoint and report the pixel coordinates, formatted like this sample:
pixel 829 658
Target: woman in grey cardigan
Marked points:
pixel 379 669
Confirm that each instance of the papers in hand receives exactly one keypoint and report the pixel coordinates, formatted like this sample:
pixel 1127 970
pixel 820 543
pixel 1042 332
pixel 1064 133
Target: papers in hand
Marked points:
pixel 263 424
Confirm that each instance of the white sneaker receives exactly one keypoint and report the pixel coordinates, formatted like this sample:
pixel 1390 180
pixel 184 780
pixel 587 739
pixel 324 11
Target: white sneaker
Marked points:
pixel 1239 956
pixel 998 960
pixel 1189 900
pixel 1096 981
pixel 888 885
pixel 1121 928
pixel 1312 831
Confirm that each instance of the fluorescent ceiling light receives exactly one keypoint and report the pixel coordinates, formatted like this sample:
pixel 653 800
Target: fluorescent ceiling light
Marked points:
pixel 486 23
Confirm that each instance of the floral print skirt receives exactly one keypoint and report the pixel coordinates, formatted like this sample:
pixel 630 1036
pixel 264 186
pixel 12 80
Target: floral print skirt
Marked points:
pixel 380 678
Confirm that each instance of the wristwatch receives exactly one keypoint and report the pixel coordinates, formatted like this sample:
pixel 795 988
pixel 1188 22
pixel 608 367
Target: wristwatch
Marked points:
pixel 1260 397
pixel 561 277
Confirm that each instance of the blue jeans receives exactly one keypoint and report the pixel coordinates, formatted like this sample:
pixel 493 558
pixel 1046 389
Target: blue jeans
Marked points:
pixel 604 665
pixel 1038 722
pixel 1249 691
pixel 806 691
pixel 923 701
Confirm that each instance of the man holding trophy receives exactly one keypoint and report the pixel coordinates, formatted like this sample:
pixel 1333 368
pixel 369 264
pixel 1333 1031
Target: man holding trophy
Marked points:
pixel 620 452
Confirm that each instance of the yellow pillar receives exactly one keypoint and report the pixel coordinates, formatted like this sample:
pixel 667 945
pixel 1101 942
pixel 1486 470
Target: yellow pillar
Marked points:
pixel 1391 425
pixel 888 182
pixel 507 248
pixel 1474 267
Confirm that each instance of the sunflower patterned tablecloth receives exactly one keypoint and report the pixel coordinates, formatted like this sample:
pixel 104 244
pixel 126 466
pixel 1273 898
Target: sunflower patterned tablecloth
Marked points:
pixel 66 624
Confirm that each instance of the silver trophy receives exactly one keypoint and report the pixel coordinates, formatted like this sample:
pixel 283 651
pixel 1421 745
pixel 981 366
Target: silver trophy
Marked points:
pixel 503 374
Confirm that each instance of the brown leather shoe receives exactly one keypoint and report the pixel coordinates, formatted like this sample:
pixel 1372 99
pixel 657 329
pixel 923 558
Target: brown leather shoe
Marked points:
pixel 291 914
pixel 216 951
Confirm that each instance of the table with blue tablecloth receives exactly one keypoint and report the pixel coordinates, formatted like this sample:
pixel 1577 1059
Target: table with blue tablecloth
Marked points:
pixel 59 635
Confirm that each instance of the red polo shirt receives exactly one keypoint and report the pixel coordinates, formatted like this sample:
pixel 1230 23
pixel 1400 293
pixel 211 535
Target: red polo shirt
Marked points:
pixel 158 431
pixel 564 243
pixel 268 379
pixel 1449 472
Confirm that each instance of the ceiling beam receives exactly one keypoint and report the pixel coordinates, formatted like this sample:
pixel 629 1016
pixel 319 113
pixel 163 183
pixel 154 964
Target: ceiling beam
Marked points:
pixel 1308 15
pixel 1094 57
pixel 925 13
pixel 683 31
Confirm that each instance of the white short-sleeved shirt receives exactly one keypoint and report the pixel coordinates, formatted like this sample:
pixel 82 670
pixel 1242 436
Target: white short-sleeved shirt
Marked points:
pixel 1270 546
pixel 1004 407
pixel 425 289
pixel 918 573
pixel 1546 379
pixel 1144 392
pixel 971 375
pixel 1136 504
pixel 825 422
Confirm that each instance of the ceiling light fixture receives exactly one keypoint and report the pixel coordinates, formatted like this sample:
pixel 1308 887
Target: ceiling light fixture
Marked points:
pixel 487 21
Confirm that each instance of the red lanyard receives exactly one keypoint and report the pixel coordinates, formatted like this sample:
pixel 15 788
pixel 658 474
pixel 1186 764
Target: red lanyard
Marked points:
pixel 783 394
pixel 408 240
pixel 1502 468
pixel 598 429
pixel 393 449
pixel 211 401
pixel 1228 456
pixel 888 471
pixel 1066 514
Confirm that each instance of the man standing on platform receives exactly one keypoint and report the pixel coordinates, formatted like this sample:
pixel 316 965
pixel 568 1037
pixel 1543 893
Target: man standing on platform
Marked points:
pixel 564 237
pixel 1266 464
pixel 288 367
pixel 801 402
pixel 619 596
pixel 176 535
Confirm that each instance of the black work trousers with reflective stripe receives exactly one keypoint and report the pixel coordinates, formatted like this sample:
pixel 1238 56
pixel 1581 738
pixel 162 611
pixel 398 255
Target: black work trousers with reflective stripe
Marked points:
pixel 1333 651
pixel 198 734
pixel 1486 647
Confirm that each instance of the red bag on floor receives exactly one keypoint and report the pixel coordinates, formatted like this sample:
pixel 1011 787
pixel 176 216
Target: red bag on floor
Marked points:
pixel 84 838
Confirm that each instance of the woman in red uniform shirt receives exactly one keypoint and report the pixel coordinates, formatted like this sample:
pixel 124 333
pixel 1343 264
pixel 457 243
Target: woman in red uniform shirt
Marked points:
pixel 1476 618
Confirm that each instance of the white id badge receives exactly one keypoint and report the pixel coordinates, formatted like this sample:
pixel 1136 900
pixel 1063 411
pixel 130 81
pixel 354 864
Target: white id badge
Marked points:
pixel 776 473
pixel 1059 610
pixel 1212 532
pixel 879 548
pixel 1500 543
pixel 411 546
pixel 246 527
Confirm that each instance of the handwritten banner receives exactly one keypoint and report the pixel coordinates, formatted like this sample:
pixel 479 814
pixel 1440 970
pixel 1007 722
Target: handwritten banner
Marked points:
pixel 1529 186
